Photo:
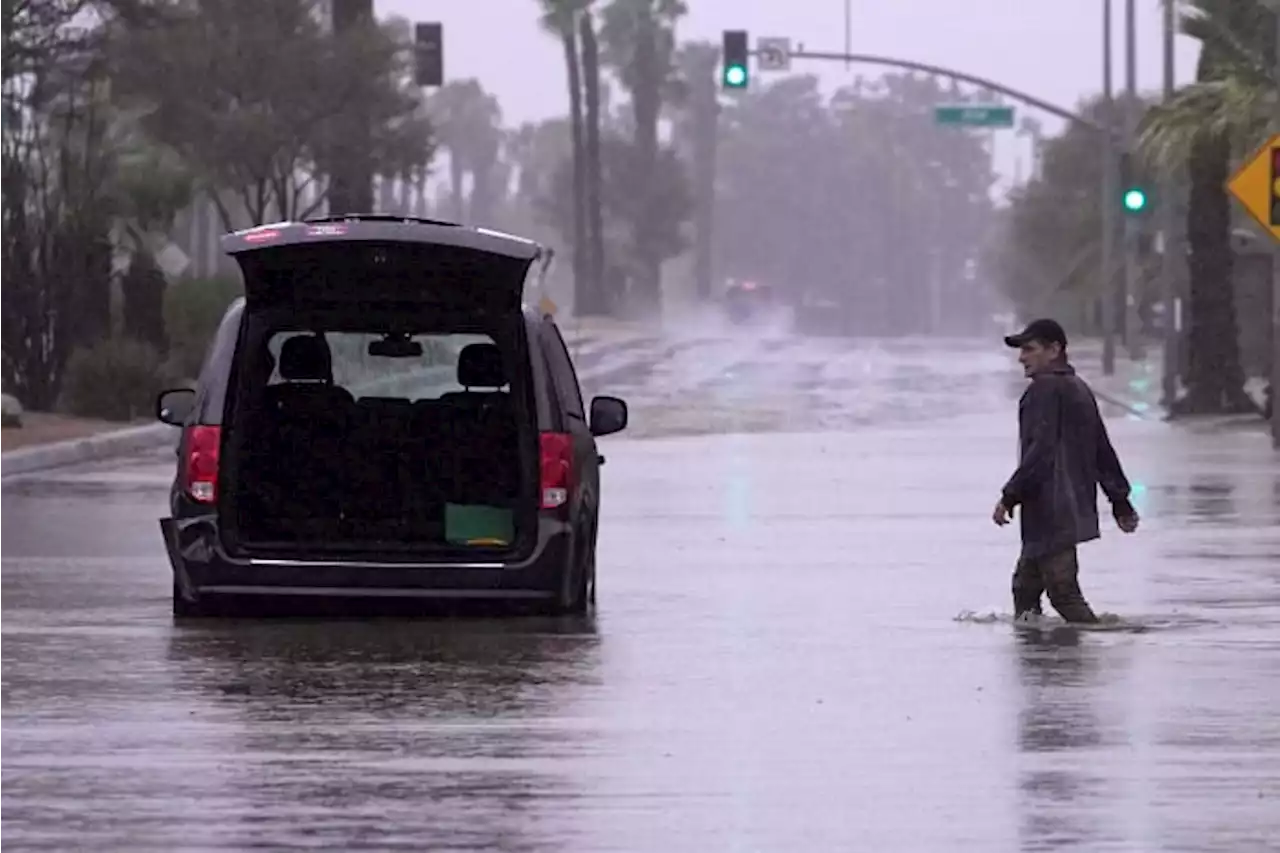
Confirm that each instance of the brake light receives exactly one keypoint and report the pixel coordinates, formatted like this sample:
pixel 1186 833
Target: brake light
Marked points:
pixel 204 443
pixel 556 463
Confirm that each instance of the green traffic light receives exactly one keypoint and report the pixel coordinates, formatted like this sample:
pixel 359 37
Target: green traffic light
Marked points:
pixel 1134 200
pixel 735 76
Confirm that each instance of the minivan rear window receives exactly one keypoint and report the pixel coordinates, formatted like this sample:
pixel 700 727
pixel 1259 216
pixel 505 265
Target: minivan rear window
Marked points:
pixel 425 370
pixel 368 430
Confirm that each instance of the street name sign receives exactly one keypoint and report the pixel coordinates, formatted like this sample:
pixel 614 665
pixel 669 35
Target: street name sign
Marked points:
pixel 773 53
pixel 973 115
pixel 1257 186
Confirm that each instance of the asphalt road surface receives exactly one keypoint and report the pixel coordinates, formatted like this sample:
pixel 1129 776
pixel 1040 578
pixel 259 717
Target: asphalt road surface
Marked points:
pixel 802 644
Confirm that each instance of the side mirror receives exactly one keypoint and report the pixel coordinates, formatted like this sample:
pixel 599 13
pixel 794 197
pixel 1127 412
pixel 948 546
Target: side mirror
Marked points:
pixel 174 407
pixel 608 415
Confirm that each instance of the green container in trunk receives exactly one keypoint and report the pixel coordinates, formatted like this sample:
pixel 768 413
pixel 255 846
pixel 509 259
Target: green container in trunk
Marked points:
pixel 474 524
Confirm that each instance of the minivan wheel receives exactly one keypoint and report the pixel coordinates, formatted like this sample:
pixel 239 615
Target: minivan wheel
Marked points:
pixel 576 601
pixel 591 596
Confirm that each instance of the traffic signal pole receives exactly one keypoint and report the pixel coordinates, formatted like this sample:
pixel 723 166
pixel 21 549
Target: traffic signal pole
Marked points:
pixel 962 76
pixel 1128 297
pixel 1172 246
pixel 1275 279
pixel 1107 278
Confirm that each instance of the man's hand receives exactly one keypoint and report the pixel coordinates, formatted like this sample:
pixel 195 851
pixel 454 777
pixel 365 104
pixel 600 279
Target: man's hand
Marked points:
pixel 1001 515
pixel 1128 522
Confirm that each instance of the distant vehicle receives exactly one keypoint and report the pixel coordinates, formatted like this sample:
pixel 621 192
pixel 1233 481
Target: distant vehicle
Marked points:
pixel 745 301
pixel 819 315
pixel 380 416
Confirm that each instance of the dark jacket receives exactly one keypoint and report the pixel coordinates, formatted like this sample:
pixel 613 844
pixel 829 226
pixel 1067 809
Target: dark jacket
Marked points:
pixel 1064 456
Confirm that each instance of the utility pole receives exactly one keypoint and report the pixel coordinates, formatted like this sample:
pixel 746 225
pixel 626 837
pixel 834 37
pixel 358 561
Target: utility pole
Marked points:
pixel 1172 247
pixel 1109 295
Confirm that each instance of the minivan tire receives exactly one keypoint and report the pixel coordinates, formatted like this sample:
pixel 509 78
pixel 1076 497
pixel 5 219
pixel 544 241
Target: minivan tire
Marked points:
pixel 577 601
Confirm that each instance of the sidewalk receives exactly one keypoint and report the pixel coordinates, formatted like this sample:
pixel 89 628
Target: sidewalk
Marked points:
pixel 1135 385
pixel 42 428
pixel 595 332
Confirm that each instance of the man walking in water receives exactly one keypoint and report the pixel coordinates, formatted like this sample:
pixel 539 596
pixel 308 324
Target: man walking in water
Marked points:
pixel 1064 455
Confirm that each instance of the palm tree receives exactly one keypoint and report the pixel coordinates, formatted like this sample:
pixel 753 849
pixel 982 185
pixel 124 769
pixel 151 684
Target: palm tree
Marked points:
pixel 469 125
pixel 561 19
pixel 639 42
pixel 696 130
pixel 1233 102
pixel 599 301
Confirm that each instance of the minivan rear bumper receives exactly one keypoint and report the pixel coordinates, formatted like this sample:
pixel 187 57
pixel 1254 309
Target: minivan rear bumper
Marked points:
pixel 201 567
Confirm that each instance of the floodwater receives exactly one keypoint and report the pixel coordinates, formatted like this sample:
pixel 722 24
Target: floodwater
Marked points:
pixel 802 644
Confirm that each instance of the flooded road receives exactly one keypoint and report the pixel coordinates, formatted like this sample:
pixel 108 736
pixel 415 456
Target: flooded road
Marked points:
pixel 776 664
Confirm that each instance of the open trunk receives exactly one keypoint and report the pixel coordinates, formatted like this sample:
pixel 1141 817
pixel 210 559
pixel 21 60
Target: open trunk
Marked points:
pixel 381 407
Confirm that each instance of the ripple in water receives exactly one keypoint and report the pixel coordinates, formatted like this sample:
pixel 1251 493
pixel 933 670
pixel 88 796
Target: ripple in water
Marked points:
pixel 1108 622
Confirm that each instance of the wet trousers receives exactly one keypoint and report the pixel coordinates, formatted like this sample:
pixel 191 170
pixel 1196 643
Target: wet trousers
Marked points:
pixel 1056 574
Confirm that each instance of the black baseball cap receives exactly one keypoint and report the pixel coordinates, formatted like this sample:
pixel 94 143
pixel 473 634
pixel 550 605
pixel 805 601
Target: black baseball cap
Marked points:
pixel 1045 331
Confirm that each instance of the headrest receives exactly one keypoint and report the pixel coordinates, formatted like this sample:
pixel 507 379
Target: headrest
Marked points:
pixel 480 366
pixel 306 358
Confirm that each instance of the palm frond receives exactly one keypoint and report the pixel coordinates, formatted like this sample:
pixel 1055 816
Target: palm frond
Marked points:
pixel 1241 110
pixel 1235 38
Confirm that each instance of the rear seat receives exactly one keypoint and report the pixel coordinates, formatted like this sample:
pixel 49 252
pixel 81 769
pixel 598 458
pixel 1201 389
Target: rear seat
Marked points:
pixel 482 425
pixel 380 474
pixel 300 436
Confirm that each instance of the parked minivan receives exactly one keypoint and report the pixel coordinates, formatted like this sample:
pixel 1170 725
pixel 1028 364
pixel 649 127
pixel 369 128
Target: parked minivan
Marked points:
pixel 381 415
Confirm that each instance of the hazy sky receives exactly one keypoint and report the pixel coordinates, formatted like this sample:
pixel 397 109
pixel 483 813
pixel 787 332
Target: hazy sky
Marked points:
pixel 1050 48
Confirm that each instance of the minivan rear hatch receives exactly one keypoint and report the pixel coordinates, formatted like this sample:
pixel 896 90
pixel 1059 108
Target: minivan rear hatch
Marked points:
pixel 382 405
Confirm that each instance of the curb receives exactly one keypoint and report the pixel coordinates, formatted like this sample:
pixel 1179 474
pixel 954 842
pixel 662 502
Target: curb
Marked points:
pixel 89 449
pixel 124 442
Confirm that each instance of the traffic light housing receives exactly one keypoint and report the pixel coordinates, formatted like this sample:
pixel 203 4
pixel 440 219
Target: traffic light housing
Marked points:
pixel 428 54
pixel 1134 198
pixel 735 73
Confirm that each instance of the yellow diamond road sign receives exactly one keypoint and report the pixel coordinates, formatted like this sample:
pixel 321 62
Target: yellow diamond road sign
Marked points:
pixel 1257 186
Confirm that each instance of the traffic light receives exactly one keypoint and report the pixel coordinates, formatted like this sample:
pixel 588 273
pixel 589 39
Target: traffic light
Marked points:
pixel 1135 199
pixel 1133 196
pixel 428 54
pixel 735 73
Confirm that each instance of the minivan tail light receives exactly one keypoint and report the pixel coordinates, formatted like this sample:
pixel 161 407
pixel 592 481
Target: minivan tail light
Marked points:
pixel 204 444
pixel 556 463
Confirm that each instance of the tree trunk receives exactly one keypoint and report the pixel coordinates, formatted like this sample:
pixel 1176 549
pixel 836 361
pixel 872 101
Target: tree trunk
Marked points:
pixel 1215 378
pixel 600 301
pixel 92 319
pixel 646 102
pixel 456 176
pixel 706 110
pixel 386 194
pixel 483 195
pixel 581 278
pixel 142 287
pixel 350 169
